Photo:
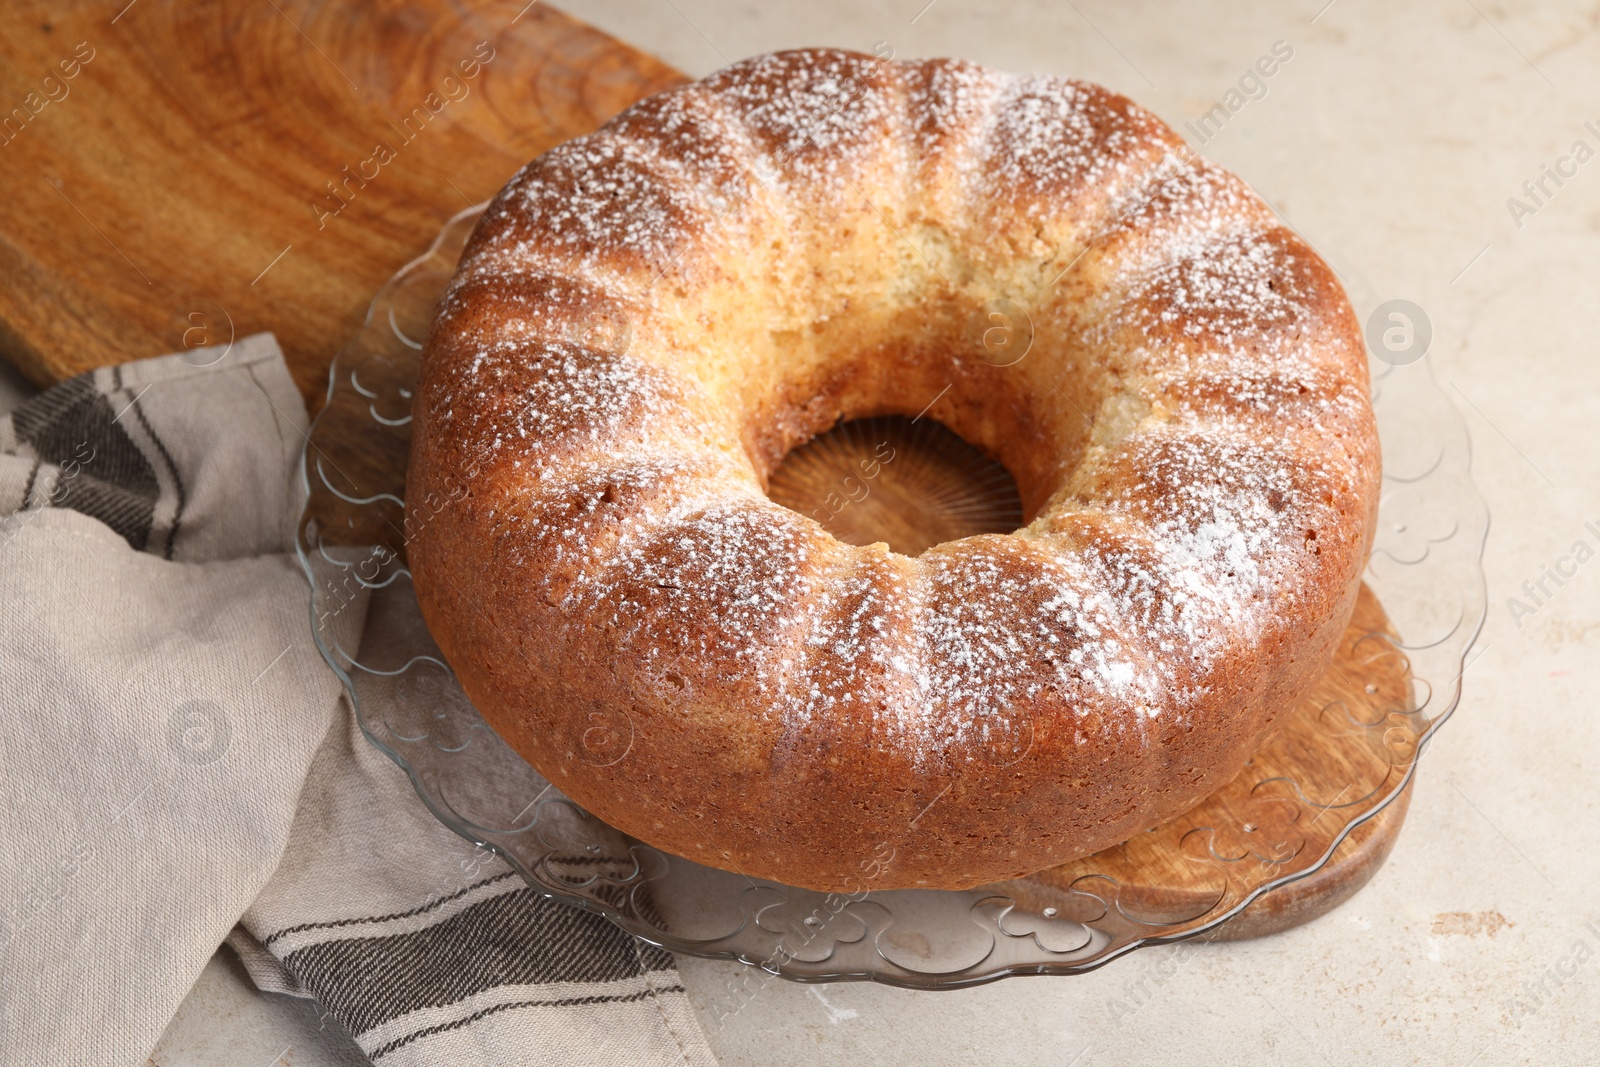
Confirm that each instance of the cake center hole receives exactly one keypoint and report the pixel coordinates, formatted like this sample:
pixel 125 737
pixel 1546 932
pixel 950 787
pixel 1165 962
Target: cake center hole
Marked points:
pixel 911 484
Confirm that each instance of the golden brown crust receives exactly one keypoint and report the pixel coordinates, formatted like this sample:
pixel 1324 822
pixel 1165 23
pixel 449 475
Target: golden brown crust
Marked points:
pixel 648 318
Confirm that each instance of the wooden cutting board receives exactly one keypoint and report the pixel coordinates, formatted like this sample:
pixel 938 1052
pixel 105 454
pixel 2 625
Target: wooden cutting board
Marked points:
pixel 173 172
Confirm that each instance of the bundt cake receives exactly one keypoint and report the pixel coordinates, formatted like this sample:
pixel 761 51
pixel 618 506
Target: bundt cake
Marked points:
pixel 648 318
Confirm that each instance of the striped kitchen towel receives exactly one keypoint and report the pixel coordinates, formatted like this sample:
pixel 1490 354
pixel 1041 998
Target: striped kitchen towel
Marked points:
pixel 431 951
pixel 178 766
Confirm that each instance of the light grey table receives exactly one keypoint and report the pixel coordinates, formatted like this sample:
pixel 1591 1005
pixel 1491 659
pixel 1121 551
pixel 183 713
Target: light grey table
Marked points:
pixel 1392 139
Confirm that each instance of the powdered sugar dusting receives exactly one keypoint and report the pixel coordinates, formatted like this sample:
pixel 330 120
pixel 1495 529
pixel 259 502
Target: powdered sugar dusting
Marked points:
pixel 1231 287
pixel 1113 611
pixel 598 192
pixel 548 404
pixel 1183 205
pixel 1006 629
pixel 1052 135
pixel 1214 517
pixel 817 117
pixel 1230 303
pixel 724 584
pixel 951 104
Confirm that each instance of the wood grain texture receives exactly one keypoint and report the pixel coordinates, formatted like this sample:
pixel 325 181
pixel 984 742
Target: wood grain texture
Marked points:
pixel 1354 863
pixel 921 484
pixel 146 200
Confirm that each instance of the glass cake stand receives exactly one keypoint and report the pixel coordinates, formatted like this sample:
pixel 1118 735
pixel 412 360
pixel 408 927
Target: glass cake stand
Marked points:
pixel 1276 828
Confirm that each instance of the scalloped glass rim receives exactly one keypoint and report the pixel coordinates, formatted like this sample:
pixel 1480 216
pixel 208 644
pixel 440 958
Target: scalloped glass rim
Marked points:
pixel 1426 567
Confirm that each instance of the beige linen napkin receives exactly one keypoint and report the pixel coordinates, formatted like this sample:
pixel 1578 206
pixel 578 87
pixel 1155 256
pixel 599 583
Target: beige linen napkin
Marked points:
pixel 175 758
